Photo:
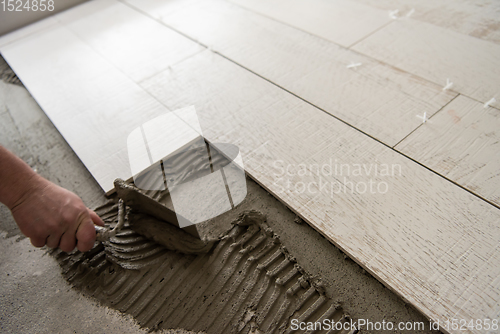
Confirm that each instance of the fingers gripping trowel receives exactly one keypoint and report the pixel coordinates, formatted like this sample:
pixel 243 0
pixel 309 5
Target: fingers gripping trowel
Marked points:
pixel 103 233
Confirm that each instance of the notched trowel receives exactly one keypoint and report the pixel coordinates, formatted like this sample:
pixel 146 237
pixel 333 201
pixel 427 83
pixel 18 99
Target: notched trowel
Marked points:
pixel 140 202
pixel 155 221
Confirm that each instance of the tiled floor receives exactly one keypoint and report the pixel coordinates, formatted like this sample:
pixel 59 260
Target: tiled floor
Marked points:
pixel 280 84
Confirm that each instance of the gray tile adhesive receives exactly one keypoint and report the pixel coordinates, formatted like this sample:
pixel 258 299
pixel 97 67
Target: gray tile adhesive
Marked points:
pixel 243 282
pixel 248 282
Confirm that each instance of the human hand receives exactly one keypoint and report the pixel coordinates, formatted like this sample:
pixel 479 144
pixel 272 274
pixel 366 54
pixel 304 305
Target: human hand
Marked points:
pixel 56 217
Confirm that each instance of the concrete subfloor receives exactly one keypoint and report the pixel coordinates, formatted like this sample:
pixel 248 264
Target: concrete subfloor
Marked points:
pixel 34 298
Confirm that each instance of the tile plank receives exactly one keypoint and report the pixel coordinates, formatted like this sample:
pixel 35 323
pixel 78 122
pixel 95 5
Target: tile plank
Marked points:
pixel 462 142
pixel 377 99
pixel 82 66
pixel 342 22
pixel 435 53
pixel 92 103
pixel 432 242
pixel 111 28
pixel 474 18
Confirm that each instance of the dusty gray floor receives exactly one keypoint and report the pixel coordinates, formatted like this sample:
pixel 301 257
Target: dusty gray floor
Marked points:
pixel 35 299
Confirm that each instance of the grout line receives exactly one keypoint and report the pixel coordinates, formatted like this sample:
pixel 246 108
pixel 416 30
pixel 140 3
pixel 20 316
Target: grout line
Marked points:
pixel 281 22
pixel 162 172
pixel 126 3
pixel 168 67
pixel 138 83
pixel 418 127
pixel 143 133
pixel 335 43
pixel 285 24
pixel 368 135
pixel 228 192
pixel 480 102
pixel 370 34
pixel 209 157
pixel 319 108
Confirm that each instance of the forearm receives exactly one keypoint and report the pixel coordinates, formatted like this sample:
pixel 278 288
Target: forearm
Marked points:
pixel 45 213
pixel 16 178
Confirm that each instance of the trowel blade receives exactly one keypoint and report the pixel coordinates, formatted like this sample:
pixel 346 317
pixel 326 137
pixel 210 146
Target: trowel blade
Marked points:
pixel 140 202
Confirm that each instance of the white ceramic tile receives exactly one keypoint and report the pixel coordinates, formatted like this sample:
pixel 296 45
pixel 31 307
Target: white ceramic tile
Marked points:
pixel 136 44
pixel 92 103
pixel 436 54
pixel 377 99
pixel 432 242
pixel 462 142
pixel 341 21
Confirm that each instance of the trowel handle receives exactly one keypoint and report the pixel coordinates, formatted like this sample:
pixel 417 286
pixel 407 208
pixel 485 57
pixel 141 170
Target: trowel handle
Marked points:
pixel 101 233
